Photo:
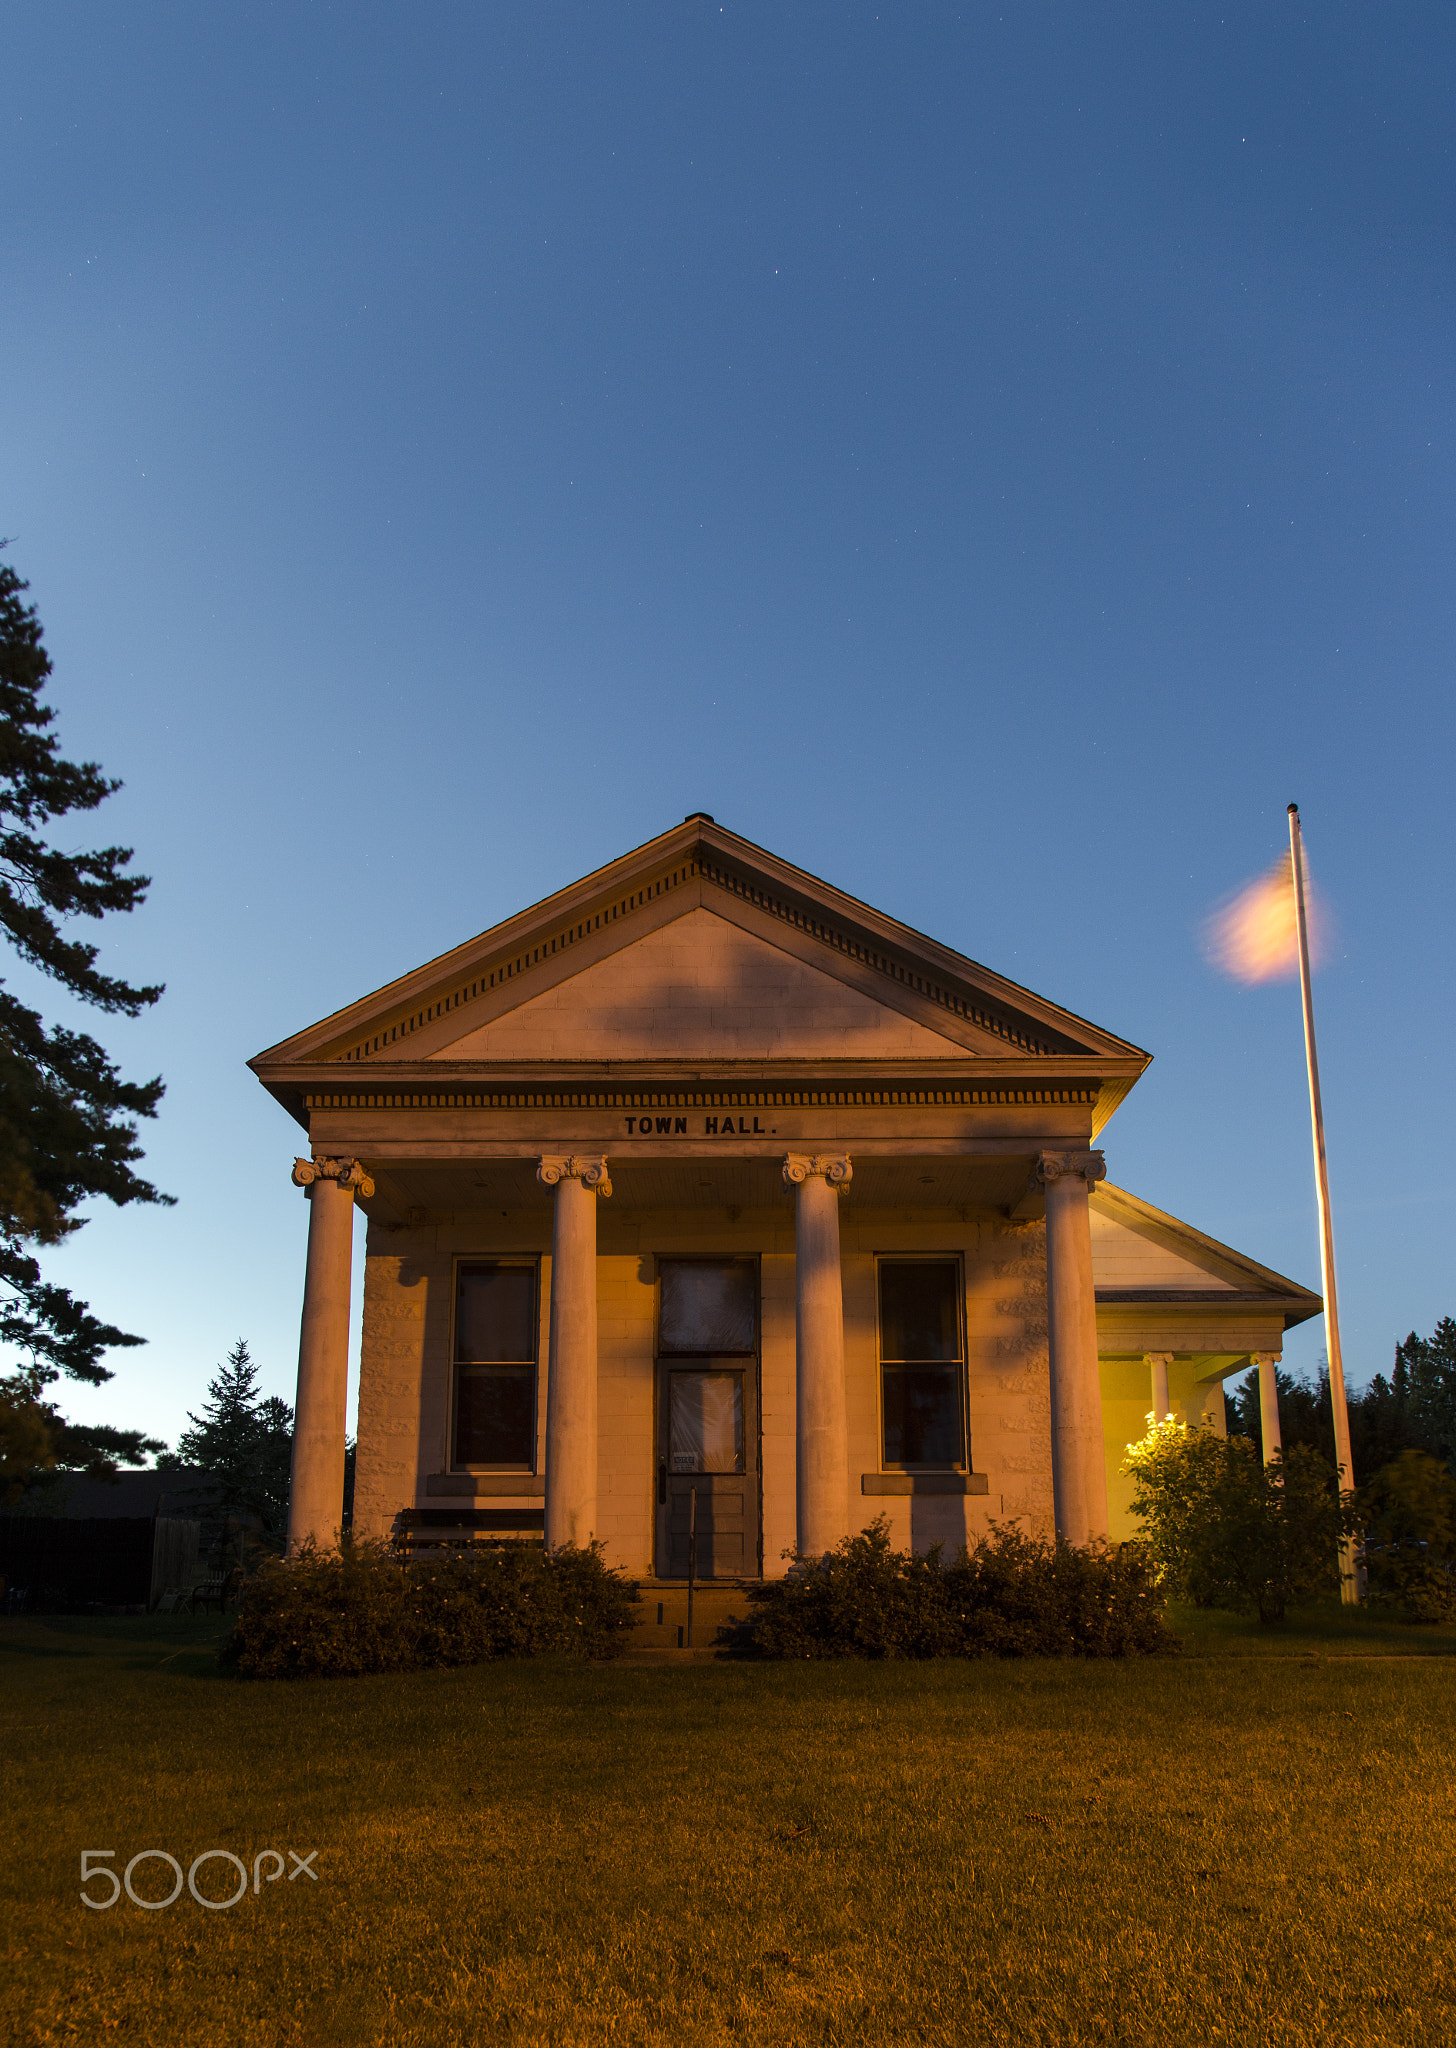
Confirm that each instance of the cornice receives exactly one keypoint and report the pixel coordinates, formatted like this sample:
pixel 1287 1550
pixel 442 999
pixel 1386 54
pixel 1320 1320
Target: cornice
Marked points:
pixel 329 1095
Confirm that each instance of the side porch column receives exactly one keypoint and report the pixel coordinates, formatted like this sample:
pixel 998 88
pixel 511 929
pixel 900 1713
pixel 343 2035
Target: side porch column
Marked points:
pixel 571 1386
pixel 1079 1466
pixel 822 1462
pixel 316 1482
pixel 1157 1363
pixel 1268 1363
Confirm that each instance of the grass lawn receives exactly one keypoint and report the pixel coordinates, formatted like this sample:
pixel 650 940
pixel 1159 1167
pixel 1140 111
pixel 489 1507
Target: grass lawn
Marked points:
pixel 1218 1847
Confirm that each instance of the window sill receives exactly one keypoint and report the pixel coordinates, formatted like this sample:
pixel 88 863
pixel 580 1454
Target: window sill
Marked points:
pixel 924 1482
pixel 512 1485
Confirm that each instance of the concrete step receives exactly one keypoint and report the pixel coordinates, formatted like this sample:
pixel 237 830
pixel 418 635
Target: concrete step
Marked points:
pixel 662 1618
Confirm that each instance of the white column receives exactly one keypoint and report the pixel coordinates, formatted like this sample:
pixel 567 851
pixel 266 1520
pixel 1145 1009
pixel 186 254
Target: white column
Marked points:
pixel 1079 1464
pixel 316 1483
pixel 1157 1363
pixel 571 1385
pixel 822 1462
pixel 1268 1363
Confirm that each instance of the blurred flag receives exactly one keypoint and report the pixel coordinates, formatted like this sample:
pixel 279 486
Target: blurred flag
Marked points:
pixel 1255 938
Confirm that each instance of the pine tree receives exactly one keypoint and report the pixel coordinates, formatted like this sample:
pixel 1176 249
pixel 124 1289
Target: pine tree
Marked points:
pixel 243 1442
pixel 67 1129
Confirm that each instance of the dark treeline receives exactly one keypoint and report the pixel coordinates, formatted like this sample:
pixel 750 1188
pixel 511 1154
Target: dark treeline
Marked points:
pixel 1412 1410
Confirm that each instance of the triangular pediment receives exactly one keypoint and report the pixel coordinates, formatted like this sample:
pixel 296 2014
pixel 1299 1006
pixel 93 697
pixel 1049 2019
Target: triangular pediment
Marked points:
pixel 701 988
pixel 702 946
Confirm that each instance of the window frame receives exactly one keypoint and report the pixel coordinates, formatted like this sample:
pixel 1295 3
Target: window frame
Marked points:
pixel 525 1261
pixel 956 1367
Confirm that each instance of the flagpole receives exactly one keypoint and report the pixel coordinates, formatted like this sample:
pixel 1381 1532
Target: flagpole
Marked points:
pixel 1349 1585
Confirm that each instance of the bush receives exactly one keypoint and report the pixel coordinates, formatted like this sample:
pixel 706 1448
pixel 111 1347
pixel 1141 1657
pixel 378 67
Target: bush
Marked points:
pixel 339 1613
pixel 1008 1596
pixel 1225 1530
pixel 1409 1514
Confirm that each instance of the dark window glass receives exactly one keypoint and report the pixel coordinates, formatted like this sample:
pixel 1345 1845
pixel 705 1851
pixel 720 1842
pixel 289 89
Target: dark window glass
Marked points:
pixel 922 1415
pixel 708 1305
pixel 495 1365
pixel 921 1362
pixel 919 1309
pixel 495 1415
pixel 495 1315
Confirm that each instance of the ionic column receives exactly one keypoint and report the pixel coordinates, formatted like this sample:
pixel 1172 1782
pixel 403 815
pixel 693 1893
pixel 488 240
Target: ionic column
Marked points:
pixel 316 1483
pixel 1079 1466
pixel 571 1385
pixel 1268 1363
pixel 1157 1363
pixel 822 1462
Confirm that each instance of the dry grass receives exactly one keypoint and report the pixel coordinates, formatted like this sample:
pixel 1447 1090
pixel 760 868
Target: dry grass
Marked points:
pixel 1190 1851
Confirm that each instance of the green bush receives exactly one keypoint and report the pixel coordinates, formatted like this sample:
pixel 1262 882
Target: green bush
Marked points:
pixel 1408 1511
pixel 1008 1596
pixel 340 1613
pixel 1225 1530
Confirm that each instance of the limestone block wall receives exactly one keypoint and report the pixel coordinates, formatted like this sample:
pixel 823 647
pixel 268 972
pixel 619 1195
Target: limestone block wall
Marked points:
pixel 1008 1393
pixel 406 1302
pixel 780 1402
pixel 625 1423
pixel 405 1371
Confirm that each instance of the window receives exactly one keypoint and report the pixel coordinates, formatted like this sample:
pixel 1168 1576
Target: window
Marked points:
pixel 922 1362
pixel 495 1365
pixel 708 1305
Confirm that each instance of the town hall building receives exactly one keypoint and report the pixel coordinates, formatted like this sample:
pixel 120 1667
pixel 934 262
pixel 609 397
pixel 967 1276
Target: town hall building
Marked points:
pixel 702 1193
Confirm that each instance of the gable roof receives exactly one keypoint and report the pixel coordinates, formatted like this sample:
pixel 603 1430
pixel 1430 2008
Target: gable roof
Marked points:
pixel 449 1011
pixel 1142 1254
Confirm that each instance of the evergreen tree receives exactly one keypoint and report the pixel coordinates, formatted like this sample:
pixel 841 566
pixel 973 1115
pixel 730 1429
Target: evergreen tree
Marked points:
pixel 1429 1364
pixel 1413 1410
pixel 67 1129
pixel 243 1442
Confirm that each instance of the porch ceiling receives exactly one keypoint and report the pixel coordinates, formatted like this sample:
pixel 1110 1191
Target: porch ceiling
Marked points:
pixel 901 1182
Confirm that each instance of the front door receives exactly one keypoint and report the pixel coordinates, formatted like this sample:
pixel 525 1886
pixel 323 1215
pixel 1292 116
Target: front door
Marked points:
pixel 707 1419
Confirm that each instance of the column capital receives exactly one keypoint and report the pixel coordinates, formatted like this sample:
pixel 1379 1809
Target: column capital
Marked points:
pixel 347 1172
pixel 589 1168
pixel 1266 1358
pixel 1088 1166
pixel 833 1167
pixel 1159 1357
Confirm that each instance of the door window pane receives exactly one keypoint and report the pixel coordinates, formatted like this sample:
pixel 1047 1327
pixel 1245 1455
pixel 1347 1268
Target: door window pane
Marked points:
pixel 919 1309
pixel 708 1305
pixel 705 1422
pixel 495 1365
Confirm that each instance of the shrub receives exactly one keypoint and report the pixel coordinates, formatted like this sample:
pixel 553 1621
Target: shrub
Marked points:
pixel 1409 1515
pixel 1010 1595
pixel 339 1613
pixel 1225 1530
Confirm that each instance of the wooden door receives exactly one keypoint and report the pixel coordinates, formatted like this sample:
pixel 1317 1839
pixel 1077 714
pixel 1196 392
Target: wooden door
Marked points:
pixel 708 1420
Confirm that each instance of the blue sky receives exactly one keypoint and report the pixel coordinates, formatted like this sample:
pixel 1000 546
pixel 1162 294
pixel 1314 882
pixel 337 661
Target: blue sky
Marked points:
pixel 994 457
